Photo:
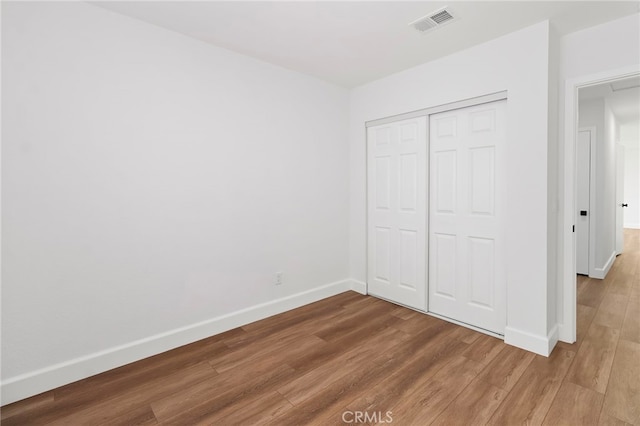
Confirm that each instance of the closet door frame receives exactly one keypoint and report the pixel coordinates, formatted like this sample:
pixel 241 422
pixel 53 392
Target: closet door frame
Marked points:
pixel 426 112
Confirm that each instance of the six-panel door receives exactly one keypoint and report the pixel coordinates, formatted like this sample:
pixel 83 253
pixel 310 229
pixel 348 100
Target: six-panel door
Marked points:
pixel 466 217
pixel 397 211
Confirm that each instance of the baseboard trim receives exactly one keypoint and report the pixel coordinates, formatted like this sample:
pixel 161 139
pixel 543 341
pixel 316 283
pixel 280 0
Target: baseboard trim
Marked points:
pixel 601 273
pixel 552 338
pixel 33 383
pixel 541 345
pixel 632 225
pixel 359 286
pixel 566 335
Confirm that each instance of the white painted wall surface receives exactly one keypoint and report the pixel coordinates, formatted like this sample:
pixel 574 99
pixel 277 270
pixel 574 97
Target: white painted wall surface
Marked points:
pixel 553 220
pixel 151 182
pixel 609 46
pixel 608 205
pixel 518 63
pixel 630 138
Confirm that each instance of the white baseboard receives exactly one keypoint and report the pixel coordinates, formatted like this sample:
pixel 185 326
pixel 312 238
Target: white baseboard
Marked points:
pixel 565 334
pixel 359 286
pixel 553 337
pixel 601 273
pixel 631 225
pixel 542 345
pixel 35 382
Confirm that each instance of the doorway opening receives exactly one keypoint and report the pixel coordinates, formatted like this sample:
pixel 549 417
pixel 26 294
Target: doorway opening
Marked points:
pixel 601 116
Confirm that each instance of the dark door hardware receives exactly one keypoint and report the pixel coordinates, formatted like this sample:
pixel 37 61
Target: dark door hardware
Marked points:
pixel 625 205
pixel 583 212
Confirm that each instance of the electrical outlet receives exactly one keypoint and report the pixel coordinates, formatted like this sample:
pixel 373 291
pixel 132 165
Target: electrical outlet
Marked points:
pixel 278 280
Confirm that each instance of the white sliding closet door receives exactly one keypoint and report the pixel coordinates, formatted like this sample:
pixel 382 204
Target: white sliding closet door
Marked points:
pixel 466 237
pixel 397 211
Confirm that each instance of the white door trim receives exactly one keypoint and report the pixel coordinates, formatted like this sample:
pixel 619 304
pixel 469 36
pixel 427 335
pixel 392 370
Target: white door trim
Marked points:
pixel 567 326
pixel 620 153
pixel 593 201
pixel 478 100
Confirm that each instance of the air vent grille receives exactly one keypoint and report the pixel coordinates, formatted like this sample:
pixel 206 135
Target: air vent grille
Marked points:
pixel 433 20
pixel 629 83
pixel 441 17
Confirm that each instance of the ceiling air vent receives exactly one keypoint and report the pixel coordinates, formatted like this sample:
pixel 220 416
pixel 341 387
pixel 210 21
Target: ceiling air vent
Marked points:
pixel 629 83
pixel 433 20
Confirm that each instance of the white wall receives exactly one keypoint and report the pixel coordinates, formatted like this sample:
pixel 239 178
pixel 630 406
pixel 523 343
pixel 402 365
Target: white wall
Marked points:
pixel 608 228
pixel 552 179
pixel 610 46
pixel 518 63
pixel 151 182
pixel 630 138
pixel 596 113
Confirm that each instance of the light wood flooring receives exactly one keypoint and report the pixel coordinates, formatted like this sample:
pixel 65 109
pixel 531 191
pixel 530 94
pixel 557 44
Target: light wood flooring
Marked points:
pixel 355 353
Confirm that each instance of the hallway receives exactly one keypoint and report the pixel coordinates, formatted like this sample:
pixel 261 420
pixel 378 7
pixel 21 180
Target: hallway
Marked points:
pixel 605 372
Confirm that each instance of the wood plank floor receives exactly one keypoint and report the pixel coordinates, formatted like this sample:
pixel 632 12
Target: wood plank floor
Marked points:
pixel 354 353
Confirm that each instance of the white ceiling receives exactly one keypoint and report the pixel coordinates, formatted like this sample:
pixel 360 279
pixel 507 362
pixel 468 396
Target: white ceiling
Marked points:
pixel 625 104
pixel 350 43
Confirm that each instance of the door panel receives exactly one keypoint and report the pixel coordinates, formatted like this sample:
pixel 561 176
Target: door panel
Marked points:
pixel 466 236
pixel 383 182
pixel 408 182
pixel 583 177
pixel 408 258
pixel 383 251
pixel 444 266
pixel 482 180
pixel 445 181
pixel 397 212
pixel 481 265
